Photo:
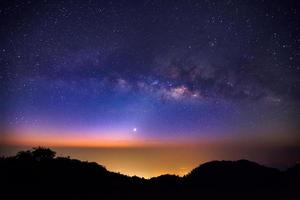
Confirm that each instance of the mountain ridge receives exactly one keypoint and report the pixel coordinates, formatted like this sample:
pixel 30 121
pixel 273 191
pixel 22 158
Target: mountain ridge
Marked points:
pixel 37 172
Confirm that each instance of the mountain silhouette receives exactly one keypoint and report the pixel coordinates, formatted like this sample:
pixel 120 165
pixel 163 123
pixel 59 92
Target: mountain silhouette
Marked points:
pixel 39 174
pixel 238 172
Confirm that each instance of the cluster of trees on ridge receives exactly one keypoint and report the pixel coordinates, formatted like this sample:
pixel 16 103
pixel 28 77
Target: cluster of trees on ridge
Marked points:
pixel 39 174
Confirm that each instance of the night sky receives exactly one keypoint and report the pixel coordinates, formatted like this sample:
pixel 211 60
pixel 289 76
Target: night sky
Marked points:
pixel 152 73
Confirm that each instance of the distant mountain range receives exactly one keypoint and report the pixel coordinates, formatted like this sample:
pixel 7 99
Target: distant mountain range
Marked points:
pixel 38 174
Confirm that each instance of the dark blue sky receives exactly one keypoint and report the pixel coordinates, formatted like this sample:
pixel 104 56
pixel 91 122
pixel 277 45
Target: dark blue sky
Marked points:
pixel 170 69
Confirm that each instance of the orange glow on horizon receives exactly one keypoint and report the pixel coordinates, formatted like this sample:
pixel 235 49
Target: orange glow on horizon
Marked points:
pixel 38 138
pixel 52 138
pixel 149 157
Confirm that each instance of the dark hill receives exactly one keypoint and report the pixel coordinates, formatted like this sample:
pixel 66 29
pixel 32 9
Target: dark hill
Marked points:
pixel 38 174
pixel 229 173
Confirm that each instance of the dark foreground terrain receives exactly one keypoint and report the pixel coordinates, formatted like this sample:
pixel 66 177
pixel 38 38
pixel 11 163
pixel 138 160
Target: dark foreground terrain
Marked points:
pixel 38 174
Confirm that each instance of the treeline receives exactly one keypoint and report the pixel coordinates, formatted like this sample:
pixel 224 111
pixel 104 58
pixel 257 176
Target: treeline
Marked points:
pixel 39 174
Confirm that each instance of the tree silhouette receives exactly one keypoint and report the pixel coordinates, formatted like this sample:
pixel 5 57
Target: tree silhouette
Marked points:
pixel 24 155
pixel 42 153
pixel 38 153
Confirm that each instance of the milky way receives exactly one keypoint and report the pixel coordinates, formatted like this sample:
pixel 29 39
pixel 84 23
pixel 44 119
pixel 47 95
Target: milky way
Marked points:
pixel 169 70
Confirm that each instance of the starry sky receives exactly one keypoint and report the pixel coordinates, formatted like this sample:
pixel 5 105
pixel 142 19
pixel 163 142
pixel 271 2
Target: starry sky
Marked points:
pixel 150 73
